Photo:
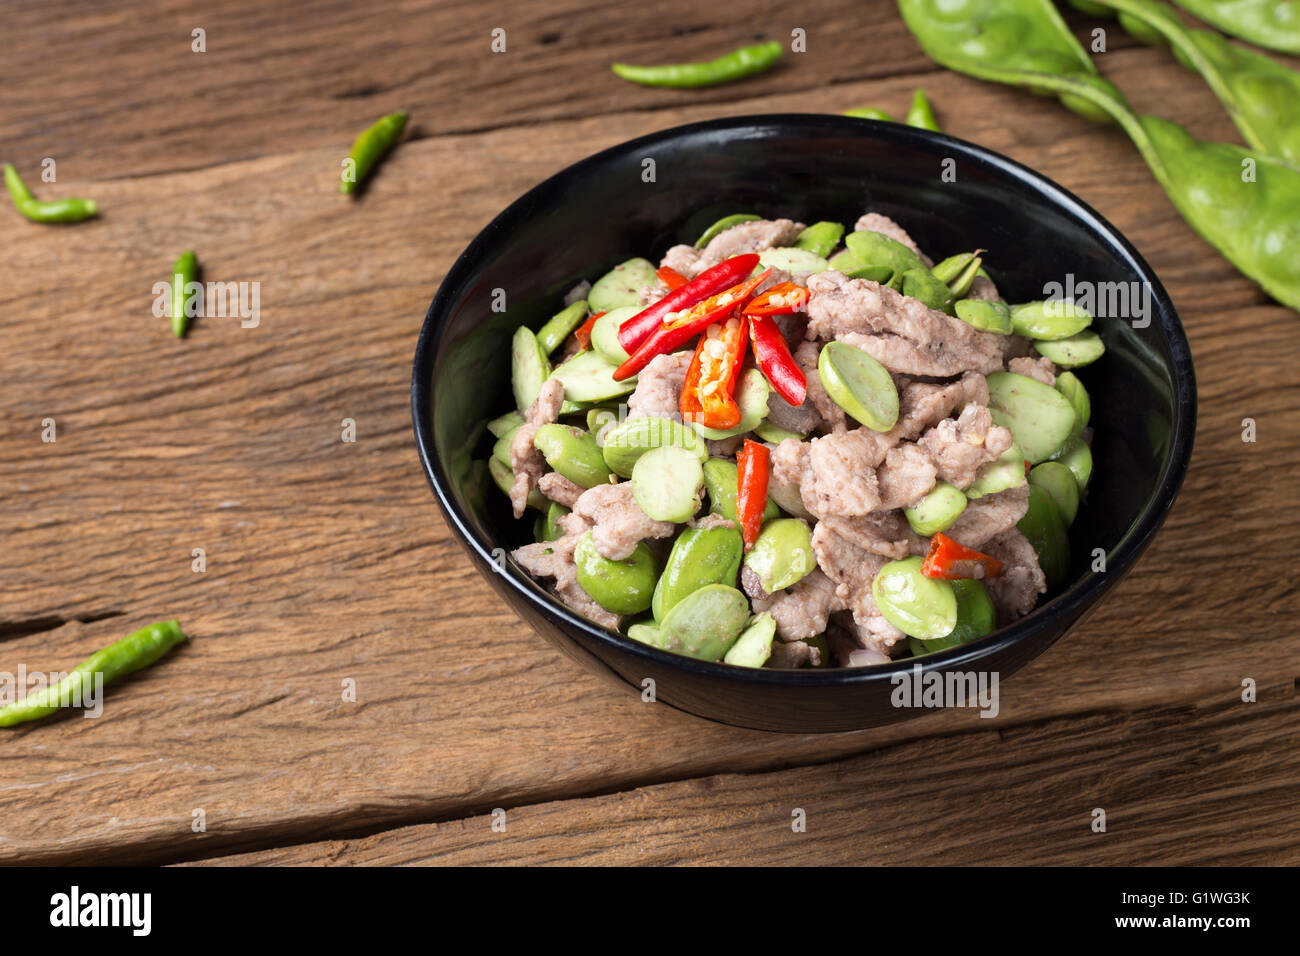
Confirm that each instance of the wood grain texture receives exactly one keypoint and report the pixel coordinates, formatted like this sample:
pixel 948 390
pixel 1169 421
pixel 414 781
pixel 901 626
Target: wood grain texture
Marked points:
pixel 1179 786
pixel 327 561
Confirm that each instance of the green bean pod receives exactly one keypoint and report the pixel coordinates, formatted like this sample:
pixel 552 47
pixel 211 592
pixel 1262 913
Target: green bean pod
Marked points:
pixel 123 657
pixel 1261 95
pixel 183 273
pixel 370 147
pixel 732 66
pixel 1265 23
pixel 52 210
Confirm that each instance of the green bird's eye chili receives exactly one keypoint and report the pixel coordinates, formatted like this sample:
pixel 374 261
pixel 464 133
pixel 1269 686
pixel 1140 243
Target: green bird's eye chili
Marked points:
pixel 123 657
pixel 1261 95
pixel 1253 220
pixel 921 114
pixel 53 210
pixel 733 66
pixel 183 273
pixel 369 148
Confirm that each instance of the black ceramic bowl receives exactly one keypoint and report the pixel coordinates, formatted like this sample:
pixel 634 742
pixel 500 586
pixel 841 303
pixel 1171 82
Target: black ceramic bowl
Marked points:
pixel 601 211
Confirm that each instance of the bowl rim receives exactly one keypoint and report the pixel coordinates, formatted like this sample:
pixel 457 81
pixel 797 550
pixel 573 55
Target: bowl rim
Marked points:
pixel 1068 603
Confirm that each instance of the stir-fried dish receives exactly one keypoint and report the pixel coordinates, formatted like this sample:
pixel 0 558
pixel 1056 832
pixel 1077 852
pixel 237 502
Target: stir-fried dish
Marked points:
pixel 791 447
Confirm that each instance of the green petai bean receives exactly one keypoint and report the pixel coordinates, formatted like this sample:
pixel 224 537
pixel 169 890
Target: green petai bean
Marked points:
pixel 626 443
pixel 504 479
pixel 1058 481
pixel 752 392
pixel 48 210
pixel 559 326
pixel 130 654
pixel 1044 526
pixel 922 284
pixel 369 148
pixel 1075 351
pixel 621 286
pixel 920 607
pixel 1068 384
pixel 820 238
pixel 1274 24
pixel 1077 456
pixel 699 557
pixel 732 66
pixel 1261 95
pixel 1052 319
pixel 1039 417
pixel 666 483
pixel 589 377
pixel 573 453
pixel 987 315
pixel 754 646
pixel 1002 473
pixel 859 384
pixel 976 618
pixel 706 623
pixel 1247 206
pixel 621 587
pixel 958 272
pixel 936 512
pixel 604 333
pixel 783 554
pixel 529 367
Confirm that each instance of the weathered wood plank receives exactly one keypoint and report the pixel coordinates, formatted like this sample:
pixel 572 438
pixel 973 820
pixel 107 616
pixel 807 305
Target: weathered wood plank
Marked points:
pixel 1185 786
pixel 327 561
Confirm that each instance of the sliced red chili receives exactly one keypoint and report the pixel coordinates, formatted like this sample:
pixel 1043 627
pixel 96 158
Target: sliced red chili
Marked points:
pixel 678 328
pixel 781 299
pixel 671 278
pixel 772 353
pixel 949 560
pixel 709 392
pixel 583 332
pixel 725 274
pixel 752 474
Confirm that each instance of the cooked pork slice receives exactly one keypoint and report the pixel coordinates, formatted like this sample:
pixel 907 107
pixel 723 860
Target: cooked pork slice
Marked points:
pixel 960 447
pixel 753 236
pixel 875 222
pixel 652 293
pixel 853 568
pixel 560 489
pixel 905 477
pixel 987 517
pixel 620 524
pixel 577 293
pixel 800 611
pixel 1040 369
pixel 923 404
pixel 554 559
pixel 1015 591
pixel 681 259
pixel 885 533
pixel 900 332
pixel 658 392
pixel 791 655
pixel 802 419
pixel 527 462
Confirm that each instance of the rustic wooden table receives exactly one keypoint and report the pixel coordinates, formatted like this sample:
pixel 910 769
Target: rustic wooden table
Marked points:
pixel 327 562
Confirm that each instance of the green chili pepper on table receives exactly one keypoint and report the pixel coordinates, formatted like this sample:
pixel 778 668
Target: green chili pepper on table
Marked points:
pixel 1261 95
pixel 370 147
pixel 52 210
pixel 920 114
pixel 1268 23
pixel 130 654
pixel 733 66
pixel 183 273
pixel 1247 206
pixel 870 112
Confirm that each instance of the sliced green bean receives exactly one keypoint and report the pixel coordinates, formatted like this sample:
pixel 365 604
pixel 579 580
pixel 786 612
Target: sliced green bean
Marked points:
pixel 732 66
pixel 604 334
pixel 130 654
pixel 49 210
pixel 369 148
pixel 506 423
pixel 183 273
